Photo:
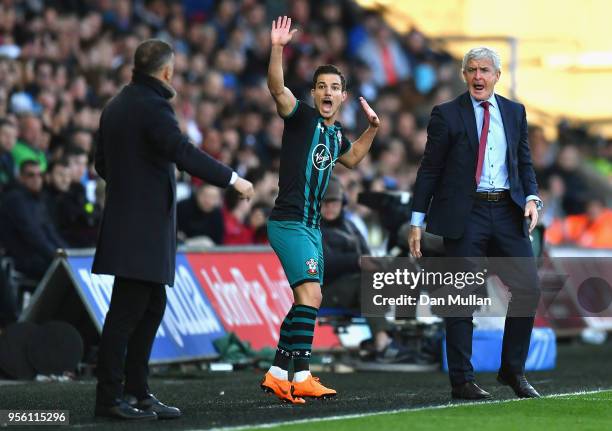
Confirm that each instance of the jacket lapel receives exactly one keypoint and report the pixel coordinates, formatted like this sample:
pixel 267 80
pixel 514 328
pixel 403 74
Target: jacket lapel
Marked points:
pixel 468 117
pixel 510 143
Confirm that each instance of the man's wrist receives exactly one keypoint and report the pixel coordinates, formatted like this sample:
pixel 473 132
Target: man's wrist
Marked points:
pixel 538 202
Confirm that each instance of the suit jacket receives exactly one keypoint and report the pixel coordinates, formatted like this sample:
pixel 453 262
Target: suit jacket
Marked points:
pixel 140 144
pixel 445 181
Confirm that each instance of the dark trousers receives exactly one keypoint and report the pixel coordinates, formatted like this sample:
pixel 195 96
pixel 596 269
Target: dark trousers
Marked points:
pixel 136 311
pixel 495 229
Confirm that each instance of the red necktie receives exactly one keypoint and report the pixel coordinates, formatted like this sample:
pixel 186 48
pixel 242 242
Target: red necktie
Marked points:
pixel 483 140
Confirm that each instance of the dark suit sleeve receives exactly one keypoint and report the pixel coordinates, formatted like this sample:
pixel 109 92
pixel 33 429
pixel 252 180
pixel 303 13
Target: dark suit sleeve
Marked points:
pixel 433 161
pixel 525 167
pixel 176 147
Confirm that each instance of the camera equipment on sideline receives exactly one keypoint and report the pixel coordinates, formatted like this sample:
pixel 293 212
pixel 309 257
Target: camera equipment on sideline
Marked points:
pixel 394 209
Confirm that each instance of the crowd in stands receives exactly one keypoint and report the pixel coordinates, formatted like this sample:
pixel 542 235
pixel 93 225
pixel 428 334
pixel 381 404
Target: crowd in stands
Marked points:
pixel 61 61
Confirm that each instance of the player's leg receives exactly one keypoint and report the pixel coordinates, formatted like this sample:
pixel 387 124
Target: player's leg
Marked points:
pixel 276 380
pixel 308 298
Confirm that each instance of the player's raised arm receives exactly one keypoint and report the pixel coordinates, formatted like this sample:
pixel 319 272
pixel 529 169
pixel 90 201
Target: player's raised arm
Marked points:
pixel 281 35
pixel 362 145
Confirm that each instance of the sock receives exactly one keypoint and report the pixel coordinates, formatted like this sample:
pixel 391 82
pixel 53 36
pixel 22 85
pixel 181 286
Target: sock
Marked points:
pixel 279 373
pixel 302 332
pixel 282 359
pixel 300 376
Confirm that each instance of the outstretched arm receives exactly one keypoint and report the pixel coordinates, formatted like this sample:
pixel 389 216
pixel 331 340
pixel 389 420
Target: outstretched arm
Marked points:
pixel 281 35
pixel 362 145
pixel 166 136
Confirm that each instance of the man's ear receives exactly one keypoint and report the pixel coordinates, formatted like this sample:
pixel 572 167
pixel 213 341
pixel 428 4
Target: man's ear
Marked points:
pixel 167 73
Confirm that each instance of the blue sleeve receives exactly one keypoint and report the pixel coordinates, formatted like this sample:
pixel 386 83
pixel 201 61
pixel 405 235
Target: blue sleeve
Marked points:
pixel 417 218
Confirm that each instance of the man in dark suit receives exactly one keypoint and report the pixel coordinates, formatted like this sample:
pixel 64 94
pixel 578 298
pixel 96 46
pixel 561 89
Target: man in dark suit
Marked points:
pixel 140 145
pixel 477 185
pixel 26 228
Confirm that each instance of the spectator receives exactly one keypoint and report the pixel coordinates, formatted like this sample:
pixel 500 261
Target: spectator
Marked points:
pixel 384 55
pixel 235 211
pixel 78 163
pixel 343 247
pixel 64 60
pixel 83 139
pixel 43 72
pixel 26 228
pixel 8 138
pixel 567 168
pixel 258 219
pixel 75 218
pixel 201 215
pixel 31 143
pixel 542 155
pixel 593 229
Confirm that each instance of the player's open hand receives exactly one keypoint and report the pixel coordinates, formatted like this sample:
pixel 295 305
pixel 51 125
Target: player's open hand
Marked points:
pixel 245 188
pixel 372 117
pixel 281 33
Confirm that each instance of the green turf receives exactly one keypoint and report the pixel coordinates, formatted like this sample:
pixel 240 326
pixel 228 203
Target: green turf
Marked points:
pixel 590 411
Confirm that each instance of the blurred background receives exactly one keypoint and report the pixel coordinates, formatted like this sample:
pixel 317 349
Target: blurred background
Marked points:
pixel 61 61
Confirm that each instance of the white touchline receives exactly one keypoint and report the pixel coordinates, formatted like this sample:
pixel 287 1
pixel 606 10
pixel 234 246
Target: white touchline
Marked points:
pixel 363 415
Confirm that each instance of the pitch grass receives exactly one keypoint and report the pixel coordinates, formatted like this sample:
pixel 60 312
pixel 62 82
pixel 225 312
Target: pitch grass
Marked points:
pixel 587 411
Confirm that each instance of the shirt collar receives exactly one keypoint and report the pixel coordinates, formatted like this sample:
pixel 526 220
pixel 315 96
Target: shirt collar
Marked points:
pixel 491 100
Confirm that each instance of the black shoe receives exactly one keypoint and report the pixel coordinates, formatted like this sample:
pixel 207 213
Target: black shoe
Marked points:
pixel 469 391
pixel 123 410
pixel 519 384
pixel 152 404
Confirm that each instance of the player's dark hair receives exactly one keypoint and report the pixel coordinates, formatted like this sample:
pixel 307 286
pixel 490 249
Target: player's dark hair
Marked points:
pixel 328 69
pixel 151 55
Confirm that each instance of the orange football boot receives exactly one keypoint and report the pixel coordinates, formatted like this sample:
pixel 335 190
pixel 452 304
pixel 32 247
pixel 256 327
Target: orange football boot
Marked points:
pixel 312 388
pixel 281 388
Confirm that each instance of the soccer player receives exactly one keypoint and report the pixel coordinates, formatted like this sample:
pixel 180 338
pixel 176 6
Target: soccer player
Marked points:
pixel 312 143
